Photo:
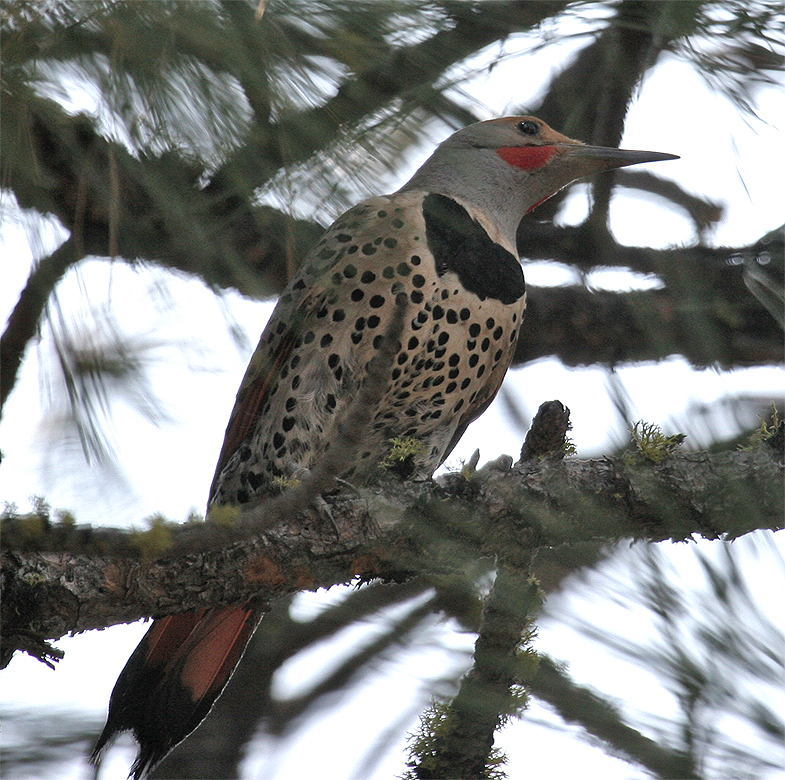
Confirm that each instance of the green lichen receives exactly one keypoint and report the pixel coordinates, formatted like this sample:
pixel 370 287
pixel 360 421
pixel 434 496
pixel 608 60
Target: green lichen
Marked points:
pixel 436 723
pixel 32 526
pixel 652 444
pixel 65 518
pixel 226 515
pixel 569 448
pixel 766 431
pixel 285 483
pixel 403 451
pixel 156 539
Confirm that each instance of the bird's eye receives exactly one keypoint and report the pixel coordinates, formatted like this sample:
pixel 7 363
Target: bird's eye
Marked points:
pixel 528 127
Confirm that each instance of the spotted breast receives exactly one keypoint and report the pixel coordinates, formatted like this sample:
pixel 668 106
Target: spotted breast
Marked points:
pixel 465 297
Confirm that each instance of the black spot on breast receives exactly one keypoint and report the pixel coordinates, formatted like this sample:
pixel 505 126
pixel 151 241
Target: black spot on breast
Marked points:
pixel 255 480
pixel 460 244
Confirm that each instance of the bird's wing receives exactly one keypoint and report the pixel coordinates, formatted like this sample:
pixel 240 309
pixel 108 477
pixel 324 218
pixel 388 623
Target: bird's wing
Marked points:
pixel 275 346
pixel 293 316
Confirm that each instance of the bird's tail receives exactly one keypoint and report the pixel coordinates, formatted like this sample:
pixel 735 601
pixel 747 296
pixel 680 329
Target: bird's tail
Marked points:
pixel 173 678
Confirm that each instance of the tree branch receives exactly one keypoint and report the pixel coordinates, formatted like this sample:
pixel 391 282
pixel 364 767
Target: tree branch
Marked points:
pixel 576 704
pixel 726 326
pixel 462 745
pixel 25 319
pixel 53 586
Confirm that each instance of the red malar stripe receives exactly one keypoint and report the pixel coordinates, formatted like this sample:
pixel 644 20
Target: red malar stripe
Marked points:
pixel 530 158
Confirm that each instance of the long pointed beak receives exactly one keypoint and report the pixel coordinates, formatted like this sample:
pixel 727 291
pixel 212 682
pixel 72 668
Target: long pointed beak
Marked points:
pixel 606 157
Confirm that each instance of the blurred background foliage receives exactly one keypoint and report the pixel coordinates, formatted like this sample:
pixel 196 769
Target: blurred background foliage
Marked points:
pixel 216 138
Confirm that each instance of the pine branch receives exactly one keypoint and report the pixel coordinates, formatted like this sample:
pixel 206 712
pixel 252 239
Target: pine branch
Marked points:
pixel 25 319
pixel 462 743
pixel 64 578
pixel 631 46
pixel 584 327
pixel 576 704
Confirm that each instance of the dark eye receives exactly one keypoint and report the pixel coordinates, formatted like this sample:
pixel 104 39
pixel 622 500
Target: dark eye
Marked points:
pixel 528 127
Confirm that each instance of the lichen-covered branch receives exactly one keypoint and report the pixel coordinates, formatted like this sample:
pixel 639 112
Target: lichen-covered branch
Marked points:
pixel 459 742
pixel 62 578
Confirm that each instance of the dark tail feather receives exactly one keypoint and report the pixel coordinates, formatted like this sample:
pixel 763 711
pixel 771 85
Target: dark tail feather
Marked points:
pixel 173 678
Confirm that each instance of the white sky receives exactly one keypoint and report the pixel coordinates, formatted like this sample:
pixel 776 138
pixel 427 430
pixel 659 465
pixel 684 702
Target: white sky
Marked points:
pixel 168 468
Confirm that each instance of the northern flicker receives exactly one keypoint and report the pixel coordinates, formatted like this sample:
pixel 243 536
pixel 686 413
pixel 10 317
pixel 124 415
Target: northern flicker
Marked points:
pixel 446 241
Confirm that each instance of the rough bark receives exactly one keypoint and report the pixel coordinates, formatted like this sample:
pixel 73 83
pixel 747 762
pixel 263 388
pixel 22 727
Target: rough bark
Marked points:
pixel 485 697
pixel 67 579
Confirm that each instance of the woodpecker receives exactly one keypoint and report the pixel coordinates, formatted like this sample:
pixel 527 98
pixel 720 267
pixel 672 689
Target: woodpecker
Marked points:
pixel 447 241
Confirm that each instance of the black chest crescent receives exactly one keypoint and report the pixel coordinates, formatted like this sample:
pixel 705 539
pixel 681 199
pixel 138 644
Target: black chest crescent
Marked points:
pixel 460 244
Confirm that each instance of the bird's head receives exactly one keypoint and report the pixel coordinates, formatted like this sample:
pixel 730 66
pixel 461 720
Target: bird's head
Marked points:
pixel 508 166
